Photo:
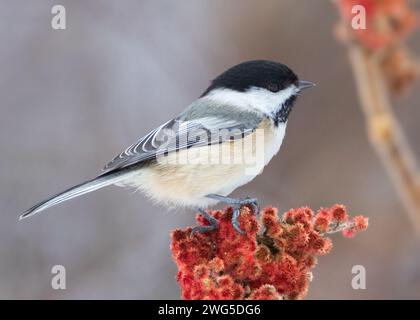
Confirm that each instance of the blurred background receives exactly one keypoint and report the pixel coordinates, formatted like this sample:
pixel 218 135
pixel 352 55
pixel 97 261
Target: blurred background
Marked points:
pixel 70 100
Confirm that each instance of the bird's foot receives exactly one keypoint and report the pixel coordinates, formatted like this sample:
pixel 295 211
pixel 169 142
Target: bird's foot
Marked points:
pixel 203 229
pixel 237 206
pixel 252 202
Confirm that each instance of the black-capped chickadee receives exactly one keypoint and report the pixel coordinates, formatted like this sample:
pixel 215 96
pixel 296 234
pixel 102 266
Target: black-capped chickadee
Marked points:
pixel 218 143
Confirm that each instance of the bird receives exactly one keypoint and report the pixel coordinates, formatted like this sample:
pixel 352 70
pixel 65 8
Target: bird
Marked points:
pixel 220 142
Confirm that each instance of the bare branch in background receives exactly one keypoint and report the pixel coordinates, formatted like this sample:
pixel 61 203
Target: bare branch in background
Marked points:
pixel 382 66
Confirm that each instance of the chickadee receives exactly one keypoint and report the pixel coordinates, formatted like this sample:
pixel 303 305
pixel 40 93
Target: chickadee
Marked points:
pixel 171 164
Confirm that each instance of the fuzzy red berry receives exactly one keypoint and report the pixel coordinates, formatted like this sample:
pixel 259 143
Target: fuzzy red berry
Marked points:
pixel 272 260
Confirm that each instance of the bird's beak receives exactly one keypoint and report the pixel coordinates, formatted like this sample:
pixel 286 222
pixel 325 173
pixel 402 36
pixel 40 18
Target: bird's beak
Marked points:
pixel 302 84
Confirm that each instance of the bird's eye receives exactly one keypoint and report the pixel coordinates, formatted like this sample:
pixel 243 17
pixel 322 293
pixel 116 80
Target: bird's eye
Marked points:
pixel 273 87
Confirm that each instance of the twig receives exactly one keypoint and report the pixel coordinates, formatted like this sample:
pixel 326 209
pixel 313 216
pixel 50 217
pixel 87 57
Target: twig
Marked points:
pixel 384 130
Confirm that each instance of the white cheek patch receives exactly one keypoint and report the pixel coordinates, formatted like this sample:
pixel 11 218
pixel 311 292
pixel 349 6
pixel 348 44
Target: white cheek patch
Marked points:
pixel 255 98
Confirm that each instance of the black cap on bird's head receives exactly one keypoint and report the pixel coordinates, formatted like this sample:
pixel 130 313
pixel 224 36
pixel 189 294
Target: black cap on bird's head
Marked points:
pixel 265 74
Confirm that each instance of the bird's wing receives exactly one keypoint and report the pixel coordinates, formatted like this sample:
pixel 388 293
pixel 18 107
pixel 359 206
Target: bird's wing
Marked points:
pixel 197 126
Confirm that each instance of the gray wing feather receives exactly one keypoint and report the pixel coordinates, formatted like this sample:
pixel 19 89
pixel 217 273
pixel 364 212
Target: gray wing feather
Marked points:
pixel 200 124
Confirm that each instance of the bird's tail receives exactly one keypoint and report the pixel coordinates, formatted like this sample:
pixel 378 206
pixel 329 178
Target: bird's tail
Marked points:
pixel 81 189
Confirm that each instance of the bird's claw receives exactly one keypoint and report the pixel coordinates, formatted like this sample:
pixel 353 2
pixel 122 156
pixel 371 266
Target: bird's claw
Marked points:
pixel 237 212
pixel 203 229
pixel 253 202
pixel 235 221
pixel 237 206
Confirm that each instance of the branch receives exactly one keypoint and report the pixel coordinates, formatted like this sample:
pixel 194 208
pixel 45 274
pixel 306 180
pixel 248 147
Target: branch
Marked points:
pixel 384 130
pixel 381 64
